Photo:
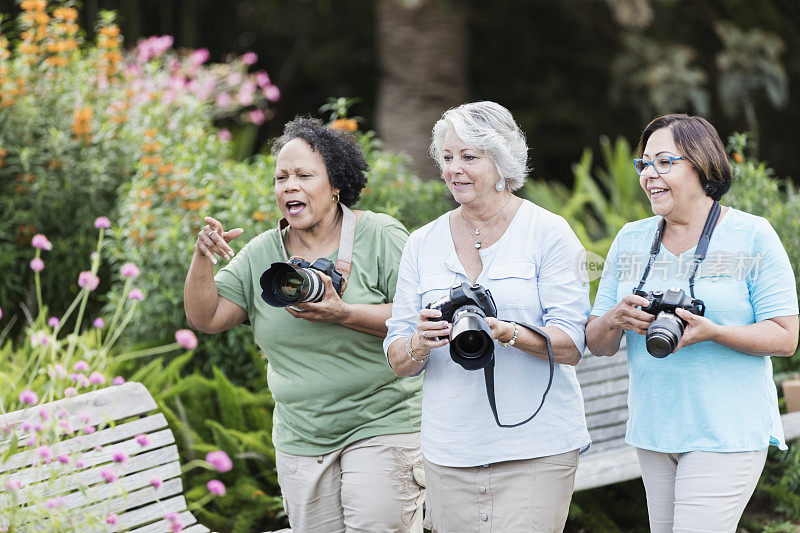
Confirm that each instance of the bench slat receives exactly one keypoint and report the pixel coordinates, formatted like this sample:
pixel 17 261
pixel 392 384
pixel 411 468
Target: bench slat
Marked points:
pixel 791 425
pixel 605 373
pixel 605 388
pixel 100 438
pixel 605 468
pixel 607 403
pixel 102 405
pixel 163 526
pixel 615 417
pixel 150 513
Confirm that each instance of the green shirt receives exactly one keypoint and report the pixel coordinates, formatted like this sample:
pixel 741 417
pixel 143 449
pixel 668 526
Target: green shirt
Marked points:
pixel 331 384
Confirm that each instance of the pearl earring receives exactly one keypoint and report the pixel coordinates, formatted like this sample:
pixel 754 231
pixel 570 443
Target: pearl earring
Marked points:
pixel 500 185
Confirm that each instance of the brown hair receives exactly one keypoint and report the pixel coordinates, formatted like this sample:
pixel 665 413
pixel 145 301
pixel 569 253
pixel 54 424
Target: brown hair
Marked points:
pixel 700 144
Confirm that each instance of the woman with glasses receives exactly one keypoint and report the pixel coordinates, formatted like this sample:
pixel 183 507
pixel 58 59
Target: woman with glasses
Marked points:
pixel 703 406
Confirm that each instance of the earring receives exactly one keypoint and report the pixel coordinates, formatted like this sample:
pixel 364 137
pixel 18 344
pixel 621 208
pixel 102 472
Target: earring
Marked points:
pixel 500 185
pixel 336 198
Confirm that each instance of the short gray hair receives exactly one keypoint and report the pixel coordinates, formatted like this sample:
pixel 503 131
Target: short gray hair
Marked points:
pixel 489 127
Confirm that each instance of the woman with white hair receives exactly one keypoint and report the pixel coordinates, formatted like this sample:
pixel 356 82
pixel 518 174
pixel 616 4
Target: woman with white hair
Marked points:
pixel 500 446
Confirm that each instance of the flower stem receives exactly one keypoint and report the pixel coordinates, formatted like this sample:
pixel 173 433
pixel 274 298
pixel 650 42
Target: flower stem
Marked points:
pixel 110 342
pixel 38 283
pixel 118 310
pixel 147 352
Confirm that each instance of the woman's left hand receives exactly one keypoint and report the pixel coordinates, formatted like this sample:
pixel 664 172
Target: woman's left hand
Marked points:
pixel 502 331
pixel 330 309
pixel 698 329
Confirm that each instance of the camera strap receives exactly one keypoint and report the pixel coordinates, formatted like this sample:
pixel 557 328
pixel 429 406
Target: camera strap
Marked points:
pixel 347 241
pixel 488 374
pixel 699 251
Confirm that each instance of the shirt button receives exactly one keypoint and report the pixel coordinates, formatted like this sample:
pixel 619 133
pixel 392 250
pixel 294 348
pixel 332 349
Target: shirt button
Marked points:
pixel 482 489
pixel 484 517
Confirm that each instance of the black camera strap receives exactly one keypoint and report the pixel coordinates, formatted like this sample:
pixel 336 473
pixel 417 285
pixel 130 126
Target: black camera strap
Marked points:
pixel 699 251
pixel 347 239
pixel 488 374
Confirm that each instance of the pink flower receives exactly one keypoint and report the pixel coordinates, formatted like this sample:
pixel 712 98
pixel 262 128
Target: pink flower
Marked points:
pixel 41 242
pixel 156 482
pixel 88 280
pixel 223 99
pixel 246 95
pixel 88 430
pixel 83 381
pixel 219 460
pixel 53 322
pixel 199 56
pixel 85 418
pixel 28 397
pixel 136 294
pixel 186 339
pixel 129 270
pixel 234 78
pixel 80 463
pixel 63 458
pixel 257 116
pixel 69 392
pixel 119 380
pixel 119 456
pixel 97 378
pixel 102 222
pixel 171 517
pixel 142 439
pixel 262 78
pixel 111 519
pixel 45 453
pixel 109 475
pixel 272 93
pixel 224 135
pixel 37 265
pixel 249 58
pixel 175 523
pixel 60 371
pixel 53 503
pixel 13 484
pixel 38 339
pixel 99 323
pixel 1 313
pixel 216 487
pixel 81 366
pixel 43 414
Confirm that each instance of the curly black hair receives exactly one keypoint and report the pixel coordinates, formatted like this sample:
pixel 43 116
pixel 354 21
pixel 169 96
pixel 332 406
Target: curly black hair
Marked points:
pixel 339 149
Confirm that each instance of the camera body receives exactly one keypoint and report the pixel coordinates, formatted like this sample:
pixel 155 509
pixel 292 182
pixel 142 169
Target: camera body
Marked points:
pixel 466 307
pixel 285 284
pixel 666 330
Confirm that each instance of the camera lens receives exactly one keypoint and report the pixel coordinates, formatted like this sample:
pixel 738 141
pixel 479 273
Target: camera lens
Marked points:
pixel 284 284
pixel 664 334
pixel 470 338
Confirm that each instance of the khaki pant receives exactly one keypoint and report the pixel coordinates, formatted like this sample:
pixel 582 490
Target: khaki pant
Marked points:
pixel 698 491
pixel 373 485
pixel 528 496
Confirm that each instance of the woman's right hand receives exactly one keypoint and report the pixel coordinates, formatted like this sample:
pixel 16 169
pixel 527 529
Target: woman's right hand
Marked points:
pixel 212 239
pixel 431 333
pixel 627 315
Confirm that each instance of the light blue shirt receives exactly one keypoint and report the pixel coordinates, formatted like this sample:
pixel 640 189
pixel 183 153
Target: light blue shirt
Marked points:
pixel 532 272
pixel 705 397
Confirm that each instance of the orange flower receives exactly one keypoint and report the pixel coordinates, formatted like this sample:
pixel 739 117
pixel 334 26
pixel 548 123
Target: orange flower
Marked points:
pixel 738 158
pixel 109 31
pixel 258 216
pixel 151 133
pixel 54 164
pixel 41 18
pixel 194 205
pixel 151 147
pixel 57 61
pixel 3 152
pixel 166 169
pixel 33 5
pixel 81 122
pixel 65 13
pixel 27 48
pixel 348 124
pixel 20 189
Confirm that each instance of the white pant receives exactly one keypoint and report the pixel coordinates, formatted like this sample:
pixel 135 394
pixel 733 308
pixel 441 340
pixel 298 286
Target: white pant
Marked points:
pixel 372 485
pixel 698 491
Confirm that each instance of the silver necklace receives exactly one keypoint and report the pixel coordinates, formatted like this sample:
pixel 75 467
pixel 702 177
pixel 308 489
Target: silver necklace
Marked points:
pixel 487 224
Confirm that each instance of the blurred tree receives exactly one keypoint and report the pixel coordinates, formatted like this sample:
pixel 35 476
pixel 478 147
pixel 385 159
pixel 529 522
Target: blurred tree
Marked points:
pixel 422 58
pixel 659 78
pixel 750 63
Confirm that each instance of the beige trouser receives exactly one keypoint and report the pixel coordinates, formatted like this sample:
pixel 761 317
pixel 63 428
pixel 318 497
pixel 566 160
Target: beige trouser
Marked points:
pixel 525 496
pixel 373 485
pixel 698 491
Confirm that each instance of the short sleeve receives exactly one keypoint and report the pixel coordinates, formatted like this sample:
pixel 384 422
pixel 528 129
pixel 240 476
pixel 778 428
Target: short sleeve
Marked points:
pixel 235 281
pixel 563 295
pixel 393 240
pixel 606 296
pixel 773 291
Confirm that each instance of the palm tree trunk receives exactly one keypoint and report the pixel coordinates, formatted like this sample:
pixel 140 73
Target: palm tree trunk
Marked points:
pixel 422 52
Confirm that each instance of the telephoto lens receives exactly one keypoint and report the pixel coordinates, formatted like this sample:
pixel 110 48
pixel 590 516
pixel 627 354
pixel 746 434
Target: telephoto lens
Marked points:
pixel 285 285
pixel 664 334
pixel 471 338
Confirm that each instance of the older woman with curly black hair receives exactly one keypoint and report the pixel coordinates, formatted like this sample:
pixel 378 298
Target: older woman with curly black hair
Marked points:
pixel 346 429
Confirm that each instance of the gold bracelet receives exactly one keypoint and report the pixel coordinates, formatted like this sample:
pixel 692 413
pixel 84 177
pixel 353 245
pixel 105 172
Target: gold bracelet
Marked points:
pixel 410 352
pixel 513 339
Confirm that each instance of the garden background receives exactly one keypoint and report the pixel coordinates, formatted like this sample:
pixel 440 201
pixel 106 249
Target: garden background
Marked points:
pixel 158 112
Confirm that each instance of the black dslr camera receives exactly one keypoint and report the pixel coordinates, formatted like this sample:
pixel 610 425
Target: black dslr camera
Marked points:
pixel 296 281
pixel 466 307
pixel 666 330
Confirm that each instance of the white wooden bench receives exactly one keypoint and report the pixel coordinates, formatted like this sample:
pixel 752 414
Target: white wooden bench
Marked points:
pixel 121 412
pixel 604 382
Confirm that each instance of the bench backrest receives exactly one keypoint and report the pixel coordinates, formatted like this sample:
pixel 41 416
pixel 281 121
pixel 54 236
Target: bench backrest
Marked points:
pixel 604 383
pixel 120 413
